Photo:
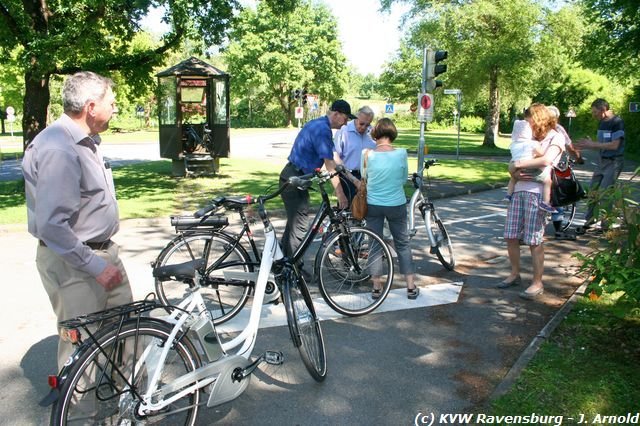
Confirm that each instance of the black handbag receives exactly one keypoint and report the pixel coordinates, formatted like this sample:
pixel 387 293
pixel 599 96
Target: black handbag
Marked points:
pixel 565 188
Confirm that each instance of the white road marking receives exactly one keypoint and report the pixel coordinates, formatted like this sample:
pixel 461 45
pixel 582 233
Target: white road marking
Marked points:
pixel 275 316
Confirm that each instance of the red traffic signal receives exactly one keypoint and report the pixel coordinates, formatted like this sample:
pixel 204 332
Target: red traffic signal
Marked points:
pixel 425 101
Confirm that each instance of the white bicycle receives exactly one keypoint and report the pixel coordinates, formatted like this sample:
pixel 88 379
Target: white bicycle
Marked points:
pixel 143 369
pixel 420 207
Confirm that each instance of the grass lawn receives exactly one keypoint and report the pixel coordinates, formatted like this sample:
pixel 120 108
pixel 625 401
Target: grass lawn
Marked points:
pixel 588 366
pixel 446 142
pixel 149 190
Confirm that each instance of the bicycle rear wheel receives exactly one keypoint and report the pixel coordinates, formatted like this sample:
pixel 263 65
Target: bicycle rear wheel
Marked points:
pixel 346 268
pixel 443 248
pixel 304 326
pixel 105 383
pixel 223 295
pixel 569 215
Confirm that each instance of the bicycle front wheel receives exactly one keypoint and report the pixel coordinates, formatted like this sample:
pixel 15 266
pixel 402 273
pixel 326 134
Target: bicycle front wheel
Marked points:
pixel 347 267
pixel 443 249
pixel 223 288
pixel 106 382
pixel 304 326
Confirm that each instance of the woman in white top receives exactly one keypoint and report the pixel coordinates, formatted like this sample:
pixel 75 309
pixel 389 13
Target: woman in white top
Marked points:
pixel 525 220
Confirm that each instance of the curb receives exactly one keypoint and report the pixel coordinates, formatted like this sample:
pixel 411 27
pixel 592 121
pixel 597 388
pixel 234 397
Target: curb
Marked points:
pixel 527 355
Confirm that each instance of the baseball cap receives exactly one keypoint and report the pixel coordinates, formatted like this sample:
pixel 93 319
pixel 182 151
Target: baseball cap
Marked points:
pixel 342 106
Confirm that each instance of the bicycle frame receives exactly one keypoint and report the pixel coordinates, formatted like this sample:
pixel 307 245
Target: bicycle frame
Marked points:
pixel 421 202
pixel 210 373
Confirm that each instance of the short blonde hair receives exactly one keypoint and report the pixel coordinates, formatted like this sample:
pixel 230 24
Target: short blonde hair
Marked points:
pixel 541 121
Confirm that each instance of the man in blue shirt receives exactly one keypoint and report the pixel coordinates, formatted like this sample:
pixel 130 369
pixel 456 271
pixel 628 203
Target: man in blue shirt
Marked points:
pixel 611 146
pixel 349 142
pixel 312 149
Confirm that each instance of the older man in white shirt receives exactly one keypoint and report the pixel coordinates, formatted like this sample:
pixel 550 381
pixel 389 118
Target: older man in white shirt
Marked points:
pixel 349 142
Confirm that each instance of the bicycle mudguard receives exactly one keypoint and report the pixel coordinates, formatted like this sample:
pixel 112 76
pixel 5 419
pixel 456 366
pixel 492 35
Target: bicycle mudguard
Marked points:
pixel 186 223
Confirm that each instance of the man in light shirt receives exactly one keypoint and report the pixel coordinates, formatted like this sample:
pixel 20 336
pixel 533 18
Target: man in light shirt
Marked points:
pixel 349 142
pixel 72 208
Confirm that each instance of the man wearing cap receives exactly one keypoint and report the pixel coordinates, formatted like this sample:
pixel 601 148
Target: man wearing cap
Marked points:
pixel 312 149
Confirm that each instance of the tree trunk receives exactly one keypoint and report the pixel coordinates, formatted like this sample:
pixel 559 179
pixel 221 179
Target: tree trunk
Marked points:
pixel 36 102
pixel 493 117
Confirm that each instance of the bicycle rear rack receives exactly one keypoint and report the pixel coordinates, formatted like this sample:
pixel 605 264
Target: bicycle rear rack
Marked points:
pixel 134 308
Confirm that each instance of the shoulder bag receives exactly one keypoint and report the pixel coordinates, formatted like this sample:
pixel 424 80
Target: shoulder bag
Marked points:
pixel 565 188
pixel 359 202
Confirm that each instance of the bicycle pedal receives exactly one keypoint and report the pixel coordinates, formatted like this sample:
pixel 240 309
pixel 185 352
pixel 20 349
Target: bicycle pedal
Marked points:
pixel 274 357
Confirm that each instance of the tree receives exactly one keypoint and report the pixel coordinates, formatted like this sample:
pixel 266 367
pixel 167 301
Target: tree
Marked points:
pixel 58 38
pixel 272 54
pixel 613 42
pixel 491 48
pixel 401 79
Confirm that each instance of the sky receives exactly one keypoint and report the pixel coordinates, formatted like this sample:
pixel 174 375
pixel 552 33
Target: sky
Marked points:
pixel 369 37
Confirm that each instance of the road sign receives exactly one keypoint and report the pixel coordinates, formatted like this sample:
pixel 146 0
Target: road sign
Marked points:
pixel 10 110
pixel 299 112
pixel 451 91
pixel 571 113
pixel 425 107
pixel 634 106
pixel 388 109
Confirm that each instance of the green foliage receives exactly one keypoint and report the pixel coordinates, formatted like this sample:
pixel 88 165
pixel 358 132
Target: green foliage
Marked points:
pixel 272 54
pixel 58 38
pixel 631 121
pixel 613 41
pixel 614 263
pixel 472 124
pixel 401 79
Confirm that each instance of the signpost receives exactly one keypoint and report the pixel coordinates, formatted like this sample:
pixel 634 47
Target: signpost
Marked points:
pixel 299 114
pixel 11 117
pixel 388 108
pixel 634 106
pixel 456 113
pixel 570 114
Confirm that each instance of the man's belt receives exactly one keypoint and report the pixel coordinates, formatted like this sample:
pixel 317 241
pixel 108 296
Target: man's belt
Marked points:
pixel 101 245
pixel 296 168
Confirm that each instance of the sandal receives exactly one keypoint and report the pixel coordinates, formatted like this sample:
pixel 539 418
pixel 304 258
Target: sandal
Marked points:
pixel 376 293
pixel 413 293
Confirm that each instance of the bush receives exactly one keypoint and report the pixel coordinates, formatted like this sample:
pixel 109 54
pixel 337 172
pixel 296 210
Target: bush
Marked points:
pixel 614 263
pixel 472 124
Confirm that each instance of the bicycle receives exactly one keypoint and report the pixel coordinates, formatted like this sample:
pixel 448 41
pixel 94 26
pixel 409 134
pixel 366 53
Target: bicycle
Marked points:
pixel 150 369
pixel 193 142
pixel 420 207
pixel 229 271
pixel 342 264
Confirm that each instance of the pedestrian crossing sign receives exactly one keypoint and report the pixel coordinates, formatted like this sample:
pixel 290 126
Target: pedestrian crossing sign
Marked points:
pixel 388 109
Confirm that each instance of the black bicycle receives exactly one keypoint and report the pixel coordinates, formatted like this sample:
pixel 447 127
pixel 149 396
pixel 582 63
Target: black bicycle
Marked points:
pixel 344 264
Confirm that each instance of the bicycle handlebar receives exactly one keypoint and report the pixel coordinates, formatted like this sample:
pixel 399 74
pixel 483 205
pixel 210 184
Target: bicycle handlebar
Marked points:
pixel 302 182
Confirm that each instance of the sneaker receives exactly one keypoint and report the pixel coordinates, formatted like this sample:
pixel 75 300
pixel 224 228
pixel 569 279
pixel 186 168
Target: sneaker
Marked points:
pixel 564 236
pixel 547 208
pixel 507 199
pixel 413 293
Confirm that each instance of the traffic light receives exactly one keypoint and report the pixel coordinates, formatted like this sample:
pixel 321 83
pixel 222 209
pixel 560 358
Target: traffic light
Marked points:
pixel 434 68
pixel 304 95
pixel 295 94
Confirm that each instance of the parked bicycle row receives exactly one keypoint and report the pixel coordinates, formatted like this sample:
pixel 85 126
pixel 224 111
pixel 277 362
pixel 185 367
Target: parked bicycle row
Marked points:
pixel 151 359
